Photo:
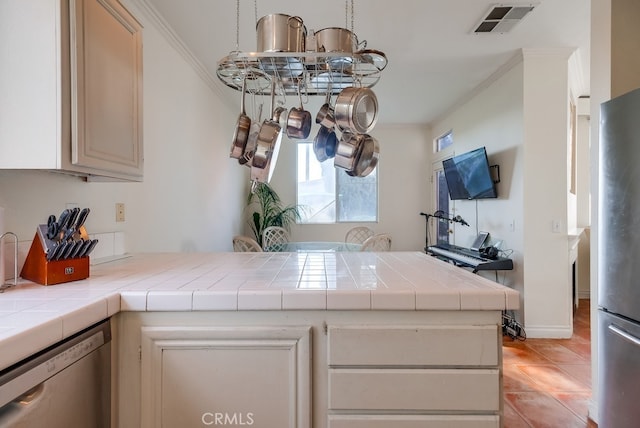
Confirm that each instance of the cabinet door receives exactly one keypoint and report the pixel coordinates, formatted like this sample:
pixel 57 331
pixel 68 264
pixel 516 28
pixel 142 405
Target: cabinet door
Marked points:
pixel 106 88
pixel 197 376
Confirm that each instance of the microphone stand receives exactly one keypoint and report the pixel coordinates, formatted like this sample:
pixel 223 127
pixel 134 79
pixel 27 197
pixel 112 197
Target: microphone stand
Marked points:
pixel 456 219
pixel 426 235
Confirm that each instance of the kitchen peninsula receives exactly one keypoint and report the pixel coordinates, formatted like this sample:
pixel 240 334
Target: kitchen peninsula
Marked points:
pixel 340 340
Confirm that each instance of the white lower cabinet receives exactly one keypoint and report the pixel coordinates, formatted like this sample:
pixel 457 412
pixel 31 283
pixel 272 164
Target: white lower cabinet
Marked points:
pixel 205 376
pixel 309 369
pixel 414 376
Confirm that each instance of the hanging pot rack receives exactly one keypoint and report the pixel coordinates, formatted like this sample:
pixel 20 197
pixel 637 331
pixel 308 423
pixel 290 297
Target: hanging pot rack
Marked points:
pixel 315 73
pixel 309 69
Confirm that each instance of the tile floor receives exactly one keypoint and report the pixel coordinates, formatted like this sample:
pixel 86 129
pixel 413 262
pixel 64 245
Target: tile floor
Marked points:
pixel 547 382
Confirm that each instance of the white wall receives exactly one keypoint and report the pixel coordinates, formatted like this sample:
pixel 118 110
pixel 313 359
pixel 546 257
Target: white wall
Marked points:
pixel 548 290
pixel 494 118
pixel 403 189
pixel 192 195
pixel 521 116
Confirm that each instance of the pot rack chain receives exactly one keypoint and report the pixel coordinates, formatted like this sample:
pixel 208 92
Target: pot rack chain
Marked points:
pixel 237 25
pixel 346 15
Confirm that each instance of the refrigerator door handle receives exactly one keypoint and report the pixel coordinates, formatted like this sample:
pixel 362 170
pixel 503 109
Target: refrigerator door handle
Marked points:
pixel 631 338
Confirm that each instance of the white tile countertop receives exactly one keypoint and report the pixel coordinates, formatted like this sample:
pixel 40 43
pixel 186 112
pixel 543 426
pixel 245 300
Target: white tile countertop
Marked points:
pixel 34 316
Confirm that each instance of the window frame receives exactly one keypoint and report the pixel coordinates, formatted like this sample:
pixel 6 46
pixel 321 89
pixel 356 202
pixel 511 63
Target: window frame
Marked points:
pixel 336 188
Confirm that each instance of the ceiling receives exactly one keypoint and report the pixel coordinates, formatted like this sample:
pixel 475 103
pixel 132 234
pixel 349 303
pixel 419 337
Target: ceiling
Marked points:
pixel 434 59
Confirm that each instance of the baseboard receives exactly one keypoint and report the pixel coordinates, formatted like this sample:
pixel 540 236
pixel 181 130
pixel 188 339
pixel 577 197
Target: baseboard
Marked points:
pixel 584 295
pixel 593 411
pixel 548 332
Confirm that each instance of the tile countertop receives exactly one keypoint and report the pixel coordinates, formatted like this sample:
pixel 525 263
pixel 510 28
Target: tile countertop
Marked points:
pixel 34 316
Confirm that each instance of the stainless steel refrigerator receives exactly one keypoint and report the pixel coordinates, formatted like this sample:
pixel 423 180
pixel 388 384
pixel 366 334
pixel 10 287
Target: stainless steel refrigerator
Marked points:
pixel 619 263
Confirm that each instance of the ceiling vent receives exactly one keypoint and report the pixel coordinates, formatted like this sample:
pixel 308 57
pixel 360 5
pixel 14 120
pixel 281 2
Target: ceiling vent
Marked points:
pixel 501 18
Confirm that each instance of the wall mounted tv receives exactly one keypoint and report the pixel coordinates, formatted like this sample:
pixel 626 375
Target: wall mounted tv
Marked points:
pixel 468 176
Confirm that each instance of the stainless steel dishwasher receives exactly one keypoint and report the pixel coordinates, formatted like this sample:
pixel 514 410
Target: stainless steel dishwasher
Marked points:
pixel 66 385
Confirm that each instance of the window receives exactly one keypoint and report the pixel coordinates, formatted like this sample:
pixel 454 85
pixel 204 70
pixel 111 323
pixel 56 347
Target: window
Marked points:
pixel 330 195
pixel 444 141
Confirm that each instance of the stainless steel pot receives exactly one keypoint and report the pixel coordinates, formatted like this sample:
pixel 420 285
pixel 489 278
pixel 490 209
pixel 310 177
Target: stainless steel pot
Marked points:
pixel 367 157
pixel 267 146
pixel 337 40
pixel 281 33
pixel 324 145
pixel 356 109
pixel 334 39
pixel 241 132
pixel 347 151
pixel 325 116
pixel 298 121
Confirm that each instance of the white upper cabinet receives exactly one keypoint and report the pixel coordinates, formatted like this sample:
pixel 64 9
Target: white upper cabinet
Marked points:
pixel 71 88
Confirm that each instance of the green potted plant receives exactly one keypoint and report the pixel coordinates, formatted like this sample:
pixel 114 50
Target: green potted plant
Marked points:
pixel 267 210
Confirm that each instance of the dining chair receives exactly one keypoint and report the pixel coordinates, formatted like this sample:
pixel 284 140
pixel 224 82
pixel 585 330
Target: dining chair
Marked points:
pixel 358 234
pixel 274 238
pixel 379 242
pixel 245 244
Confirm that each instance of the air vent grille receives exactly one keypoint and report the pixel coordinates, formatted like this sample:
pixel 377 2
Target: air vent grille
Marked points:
pixel 501 18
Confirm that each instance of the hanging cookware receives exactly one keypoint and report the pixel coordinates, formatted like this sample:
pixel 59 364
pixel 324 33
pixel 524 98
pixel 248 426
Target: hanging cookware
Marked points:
pixel 281 33
pixel 338 40
pixel 241 133
pixel 278 32
pixel 280 115
pixel 325 116
pixel 324 145
pixel 250 148
pixel 367 157
pixel 267 146
pixel 347 151
pixel 356 109
pixel 298 121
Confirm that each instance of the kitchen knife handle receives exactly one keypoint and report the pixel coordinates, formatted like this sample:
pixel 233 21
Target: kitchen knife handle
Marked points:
pixel 82 217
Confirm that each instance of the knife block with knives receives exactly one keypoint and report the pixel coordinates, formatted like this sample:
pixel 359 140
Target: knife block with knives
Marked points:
pixel 60 250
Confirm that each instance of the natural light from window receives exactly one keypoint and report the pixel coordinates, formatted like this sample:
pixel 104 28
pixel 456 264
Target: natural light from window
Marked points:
pixel 330 195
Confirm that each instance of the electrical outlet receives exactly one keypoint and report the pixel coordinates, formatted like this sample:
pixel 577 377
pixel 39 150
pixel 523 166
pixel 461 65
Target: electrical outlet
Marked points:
pixel 119 211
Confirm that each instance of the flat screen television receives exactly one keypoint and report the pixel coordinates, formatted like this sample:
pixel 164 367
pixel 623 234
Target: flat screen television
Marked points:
pixel 468 176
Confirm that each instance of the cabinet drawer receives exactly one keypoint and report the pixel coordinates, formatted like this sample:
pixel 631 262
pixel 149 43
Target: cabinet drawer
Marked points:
pixel 414 421
pixel 414 389
pixel 417 346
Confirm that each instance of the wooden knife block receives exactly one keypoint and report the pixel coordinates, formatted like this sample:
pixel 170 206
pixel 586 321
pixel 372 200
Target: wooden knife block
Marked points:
pixel 49 272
